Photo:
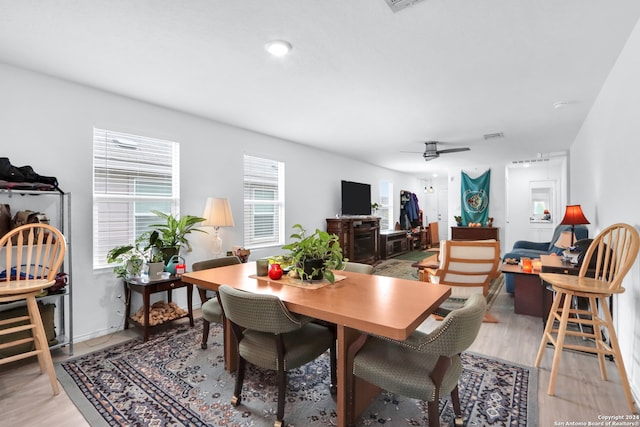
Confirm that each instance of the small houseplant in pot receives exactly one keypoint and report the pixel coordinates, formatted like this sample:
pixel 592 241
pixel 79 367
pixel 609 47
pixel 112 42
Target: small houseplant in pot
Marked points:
pixel 170 236
pixel 129 260
pixel 316 255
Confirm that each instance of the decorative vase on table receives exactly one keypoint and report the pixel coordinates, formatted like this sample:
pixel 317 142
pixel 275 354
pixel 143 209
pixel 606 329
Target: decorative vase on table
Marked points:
pixel 275 272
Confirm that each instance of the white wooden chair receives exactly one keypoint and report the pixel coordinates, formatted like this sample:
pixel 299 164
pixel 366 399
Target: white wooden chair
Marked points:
pixel 606 262
pixel 33 254
pixel 467 266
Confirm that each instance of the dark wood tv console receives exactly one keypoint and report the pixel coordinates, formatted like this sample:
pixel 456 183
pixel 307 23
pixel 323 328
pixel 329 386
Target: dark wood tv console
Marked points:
pixel 393 243
pixel 359 237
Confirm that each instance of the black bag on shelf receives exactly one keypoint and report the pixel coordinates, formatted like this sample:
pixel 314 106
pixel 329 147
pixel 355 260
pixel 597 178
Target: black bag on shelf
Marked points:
pixel 11 173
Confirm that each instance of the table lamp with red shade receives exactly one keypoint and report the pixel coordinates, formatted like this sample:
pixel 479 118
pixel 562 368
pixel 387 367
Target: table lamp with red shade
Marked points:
pixel 573 216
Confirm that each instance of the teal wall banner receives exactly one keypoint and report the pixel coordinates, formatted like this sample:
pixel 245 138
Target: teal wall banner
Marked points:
pixel 475 198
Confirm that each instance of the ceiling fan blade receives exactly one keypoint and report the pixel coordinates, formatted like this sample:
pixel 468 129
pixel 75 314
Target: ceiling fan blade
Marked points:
pixel 412 152
pixel 454 150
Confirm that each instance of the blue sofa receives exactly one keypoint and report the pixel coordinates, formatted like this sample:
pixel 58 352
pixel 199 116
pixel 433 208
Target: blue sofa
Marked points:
pixel 527 249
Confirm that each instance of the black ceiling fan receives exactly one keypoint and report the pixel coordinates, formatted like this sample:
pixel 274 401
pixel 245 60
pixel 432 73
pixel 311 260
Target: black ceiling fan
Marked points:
pixel 431 150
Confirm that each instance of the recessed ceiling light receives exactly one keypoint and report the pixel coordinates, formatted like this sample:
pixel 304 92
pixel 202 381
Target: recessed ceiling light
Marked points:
pixel 278 47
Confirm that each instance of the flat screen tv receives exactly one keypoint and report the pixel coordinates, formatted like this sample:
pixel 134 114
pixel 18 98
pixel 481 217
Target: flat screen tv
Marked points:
pixel 356 198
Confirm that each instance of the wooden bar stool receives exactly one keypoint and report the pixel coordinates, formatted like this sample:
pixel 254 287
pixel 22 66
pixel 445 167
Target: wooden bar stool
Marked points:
pixel 32 254
pixel 610 255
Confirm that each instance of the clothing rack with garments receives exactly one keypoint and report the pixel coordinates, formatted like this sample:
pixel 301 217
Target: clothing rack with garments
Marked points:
pixel 410 214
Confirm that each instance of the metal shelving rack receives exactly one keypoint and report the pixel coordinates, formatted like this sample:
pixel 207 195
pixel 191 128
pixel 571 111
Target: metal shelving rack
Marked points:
pixel 64 301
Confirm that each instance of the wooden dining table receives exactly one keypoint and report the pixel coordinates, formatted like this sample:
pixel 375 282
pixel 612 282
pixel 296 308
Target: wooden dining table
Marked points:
pixel 358 304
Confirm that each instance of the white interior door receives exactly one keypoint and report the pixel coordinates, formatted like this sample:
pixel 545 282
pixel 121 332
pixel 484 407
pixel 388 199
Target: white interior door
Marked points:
pixel 443 214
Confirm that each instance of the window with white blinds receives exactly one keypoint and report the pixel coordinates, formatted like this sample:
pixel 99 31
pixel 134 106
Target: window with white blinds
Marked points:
pixel 263 202
pixel 132 175
pixel 385 208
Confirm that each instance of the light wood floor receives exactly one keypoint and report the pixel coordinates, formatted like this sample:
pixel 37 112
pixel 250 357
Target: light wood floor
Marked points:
pixel 26 398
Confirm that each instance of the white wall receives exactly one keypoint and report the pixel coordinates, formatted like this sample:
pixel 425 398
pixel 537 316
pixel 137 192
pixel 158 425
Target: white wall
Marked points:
pixel 518 198
pixel 48 123
pixel 603 179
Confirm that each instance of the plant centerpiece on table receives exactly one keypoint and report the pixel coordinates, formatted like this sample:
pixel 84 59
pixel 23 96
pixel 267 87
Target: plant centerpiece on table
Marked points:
pixel 458 219
pixel 169 237
pixel 316 255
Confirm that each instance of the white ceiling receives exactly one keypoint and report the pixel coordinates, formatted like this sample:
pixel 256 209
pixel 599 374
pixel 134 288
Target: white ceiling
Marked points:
pixel 361 80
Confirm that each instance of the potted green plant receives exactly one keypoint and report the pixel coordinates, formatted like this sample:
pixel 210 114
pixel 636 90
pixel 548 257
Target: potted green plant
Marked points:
pixel 129 260
pixel 315 255
pixel 170 236
pixel 458 219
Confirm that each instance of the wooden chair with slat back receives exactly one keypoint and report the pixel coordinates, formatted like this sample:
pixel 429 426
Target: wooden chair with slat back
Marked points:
pixel 32 254
pixel 467 266
pixel 606 262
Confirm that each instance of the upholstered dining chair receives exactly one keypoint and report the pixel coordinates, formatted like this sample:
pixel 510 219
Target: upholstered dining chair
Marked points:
pixel 33 254
pixel 271 337
pixel 614 250
pixel 357 267
pixel 425 366
pixel 211 310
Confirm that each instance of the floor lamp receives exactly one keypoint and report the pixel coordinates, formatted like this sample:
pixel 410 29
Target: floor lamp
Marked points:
pixel 573 216
pixel 218 214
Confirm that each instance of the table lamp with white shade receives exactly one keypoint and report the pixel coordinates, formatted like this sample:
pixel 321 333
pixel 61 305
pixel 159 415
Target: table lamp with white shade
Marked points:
pixel 217 212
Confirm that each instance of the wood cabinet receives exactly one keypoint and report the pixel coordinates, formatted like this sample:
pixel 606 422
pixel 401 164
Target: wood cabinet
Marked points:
pixel 393 243
pixel 475 233
pixel 359 237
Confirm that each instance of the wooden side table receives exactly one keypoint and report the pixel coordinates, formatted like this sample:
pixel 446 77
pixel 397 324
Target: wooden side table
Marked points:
pixel 530 297
pixel 153 286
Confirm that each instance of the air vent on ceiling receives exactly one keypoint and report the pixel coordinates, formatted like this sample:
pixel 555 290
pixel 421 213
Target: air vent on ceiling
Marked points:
pixel 493 135
pixel 397 5
pixel 529 161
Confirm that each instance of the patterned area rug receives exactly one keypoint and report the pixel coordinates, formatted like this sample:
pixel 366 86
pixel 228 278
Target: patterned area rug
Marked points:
pixel 170 381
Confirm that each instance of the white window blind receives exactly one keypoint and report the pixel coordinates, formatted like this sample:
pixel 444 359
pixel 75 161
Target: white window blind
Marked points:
pixel 132 175
pixel 263 202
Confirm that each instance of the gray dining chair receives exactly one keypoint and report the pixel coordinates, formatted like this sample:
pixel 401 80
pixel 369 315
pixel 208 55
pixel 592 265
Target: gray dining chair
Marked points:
pixel 357 267
pixel 211 310
pixel 425 366
pixel 271 337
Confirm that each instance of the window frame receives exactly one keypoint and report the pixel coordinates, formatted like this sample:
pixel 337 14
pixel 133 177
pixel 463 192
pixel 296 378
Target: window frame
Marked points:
pixel 147 176
pixel 254 179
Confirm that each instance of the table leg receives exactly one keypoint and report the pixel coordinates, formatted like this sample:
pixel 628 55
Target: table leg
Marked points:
pixel 147 306
pixel 190 302
pixel 230 347
pixel 351 398
pixel 127 303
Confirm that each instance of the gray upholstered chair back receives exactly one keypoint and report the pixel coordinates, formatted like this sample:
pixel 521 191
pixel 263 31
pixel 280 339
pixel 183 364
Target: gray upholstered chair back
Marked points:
pixel 258 312
pixel 456 332
pixel 215 262
pixel 357 267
